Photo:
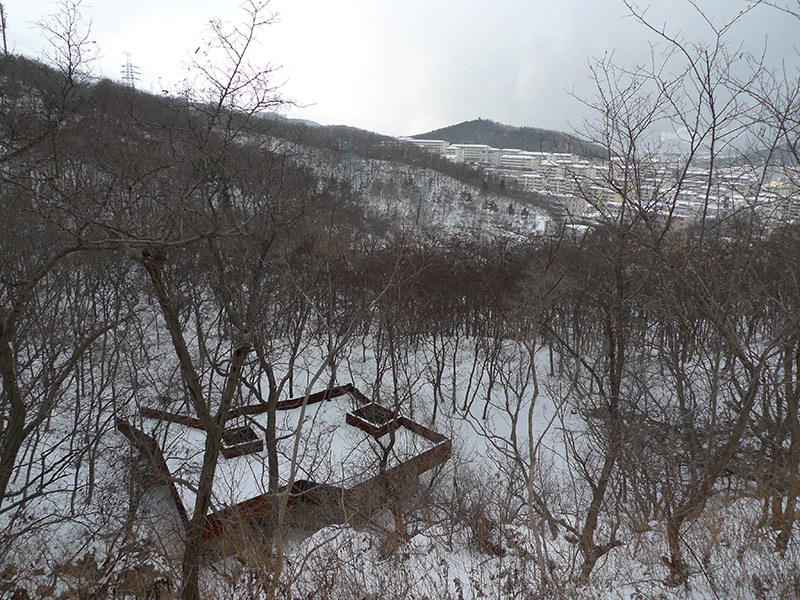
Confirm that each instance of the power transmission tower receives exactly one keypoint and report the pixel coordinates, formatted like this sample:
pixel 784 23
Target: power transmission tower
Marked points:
pixel 130 72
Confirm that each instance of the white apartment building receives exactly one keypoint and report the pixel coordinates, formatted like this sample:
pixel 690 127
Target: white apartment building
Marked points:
pixel 580 184
pixel 493 157
pixel 785 197
pixel 437 146
pixel 470 153
pixel 551 169
pixel 519 160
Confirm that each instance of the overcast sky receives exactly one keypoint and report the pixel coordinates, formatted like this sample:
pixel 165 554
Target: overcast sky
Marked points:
pixel 408 66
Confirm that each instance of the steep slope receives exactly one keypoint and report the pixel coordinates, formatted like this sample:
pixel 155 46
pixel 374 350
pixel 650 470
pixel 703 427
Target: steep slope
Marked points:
pixel 434 205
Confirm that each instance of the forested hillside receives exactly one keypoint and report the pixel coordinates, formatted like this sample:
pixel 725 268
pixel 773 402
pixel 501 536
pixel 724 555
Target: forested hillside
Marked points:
pixel 621 396
pixel 497 135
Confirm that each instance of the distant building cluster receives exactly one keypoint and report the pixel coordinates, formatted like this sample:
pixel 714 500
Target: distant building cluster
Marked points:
pixel 665 184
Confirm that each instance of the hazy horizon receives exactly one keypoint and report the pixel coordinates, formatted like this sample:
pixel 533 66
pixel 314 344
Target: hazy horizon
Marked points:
pixel 411 68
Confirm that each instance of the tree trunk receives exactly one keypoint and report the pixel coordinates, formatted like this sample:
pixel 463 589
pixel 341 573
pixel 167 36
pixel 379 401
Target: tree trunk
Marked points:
pixel 592 552
pixel 214 426
pixel 793 458
pixel 194 533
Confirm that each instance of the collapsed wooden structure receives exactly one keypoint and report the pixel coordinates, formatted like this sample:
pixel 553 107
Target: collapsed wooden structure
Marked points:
pixel 310 504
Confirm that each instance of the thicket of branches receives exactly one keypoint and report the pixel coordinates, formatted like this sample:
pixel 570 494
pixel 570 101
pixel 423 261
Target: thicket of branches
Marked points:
pixel 158 246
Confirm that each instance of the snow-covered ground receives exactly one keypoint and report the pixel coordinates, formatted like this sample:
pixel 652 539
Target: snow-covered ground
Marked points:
pixel 426 201
pixel 468 534
pixel 332 452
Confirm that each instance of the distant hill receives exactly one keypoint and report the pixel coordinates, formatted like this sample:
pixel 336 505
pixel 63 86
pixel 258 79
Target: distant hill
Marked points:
pixel 497 135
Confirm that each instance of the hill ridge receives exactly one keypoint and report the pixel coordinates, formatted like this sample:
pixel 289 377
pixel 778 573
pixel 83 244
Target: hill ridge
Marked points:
pixel 499 135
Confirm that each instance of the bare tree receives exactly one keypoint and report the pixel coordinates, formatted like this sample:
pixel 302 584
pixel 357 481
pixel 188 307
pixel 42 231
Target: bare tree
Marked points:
pixel 59 303
pixel 711 269
pixel 3 26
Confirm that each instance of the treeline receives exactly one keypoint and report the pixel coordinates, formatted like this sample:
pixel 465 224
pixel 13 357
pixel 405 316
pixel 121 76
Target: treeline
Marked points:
pixel 497 135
